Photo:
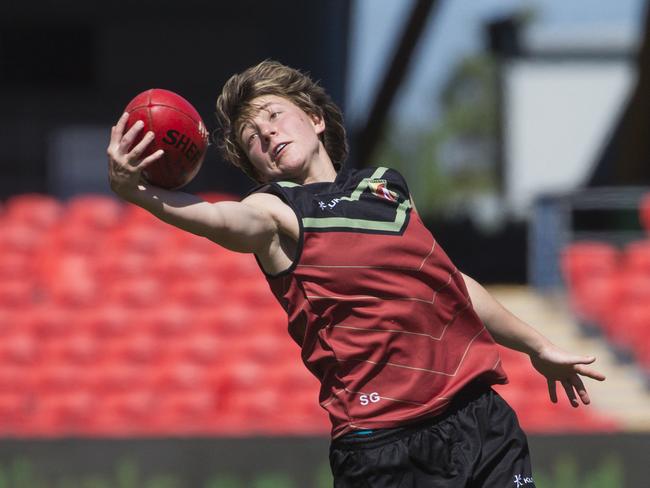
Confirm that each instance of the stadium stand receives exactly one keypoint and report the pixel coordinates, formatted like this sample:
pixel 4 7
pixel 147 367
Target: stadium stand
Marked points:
pixel 114 324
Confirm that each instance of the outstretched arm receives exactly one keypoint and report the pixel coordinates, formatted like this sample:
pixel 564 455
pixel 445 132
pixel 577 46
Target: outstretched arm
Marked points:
pixel 247 226
pixel 551 361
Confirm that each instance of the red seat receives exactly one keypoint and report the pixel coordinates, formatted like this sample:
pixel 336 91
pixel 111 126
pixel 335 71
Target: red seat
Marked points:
pixel 59 377
pixel 596 298
pixel 113 265
pixel 18 292
pixel 169 319
pixel 637 257
pixel 20 237
pixel 200 348
pixel 64 414
pixel 14 264
pixel 118 376
pixel 180 376
pixel 134 349
pixel 15 413
pixel 186 412
pixel 125 414
pixel 106 320
pixel 98 212
pixel 145 239
pixel 77 239
pixel 19 349
pixel 588 259
pixel 203 290
pixel 629 324
pixel 37 210
pixel 136 293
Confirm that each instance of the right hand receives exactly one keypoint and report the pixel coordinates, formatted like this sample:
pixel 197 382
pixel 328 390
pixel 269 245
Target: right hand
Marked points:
pixel 125 167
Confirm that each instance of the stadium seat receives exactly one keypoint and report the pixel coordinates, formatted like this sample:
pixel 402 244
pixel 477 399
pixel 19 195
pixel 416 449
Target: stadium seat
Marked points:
pixel 588 259
pixel 186 412
pixel 93 212
pixel 628 324
pixel 168 319
pixel 118 376
pixel 136 292
pixel 200 348
pixel 594 299
pixel 204 290
pixel 51 376
pixel 33 209
pixel 144 239
pixel 65 414
pixel 636 257
pixel 20 237
pixel 115 265
pixel 16 377
pixel 14 264
pixel 106 320
pixel 134 349
pixel 20 348
pixel 124 414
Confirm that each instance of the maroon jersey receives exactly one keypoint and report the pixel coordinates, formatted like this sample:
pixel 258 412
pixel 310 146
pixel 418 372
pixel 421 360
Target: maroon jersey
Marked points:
pixel 383 317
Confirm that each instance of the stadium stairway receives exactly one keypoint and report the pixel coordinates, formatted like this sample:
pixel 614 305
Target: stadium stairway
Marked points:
pixel 623 396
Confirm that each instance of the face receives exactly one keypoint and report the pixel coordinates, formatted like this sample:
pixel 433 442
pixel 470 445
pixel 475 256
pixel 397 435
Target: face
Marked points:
pixel 281 140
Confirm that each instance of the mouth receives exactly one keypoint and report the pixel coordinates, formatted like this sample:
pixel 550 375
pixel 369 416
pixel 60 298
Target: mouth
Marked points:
pixel 277 150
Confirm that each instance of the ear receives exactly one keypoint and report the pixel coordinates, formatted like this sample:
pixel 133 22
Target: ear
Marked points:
pixel 319 123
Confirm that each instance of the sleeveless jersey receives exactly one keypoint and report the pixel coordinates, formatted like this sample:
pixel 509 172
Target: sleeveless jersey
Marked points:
pixel 383 317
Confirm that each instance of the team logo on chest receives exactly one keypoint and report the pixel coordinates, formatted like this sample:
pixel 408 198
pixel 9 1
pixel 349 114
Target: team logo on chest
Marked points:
pixel 378 188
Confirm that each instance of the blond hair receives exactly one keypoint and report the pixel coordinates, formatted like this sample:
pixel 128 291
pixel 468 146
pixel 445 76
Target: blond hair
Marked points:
pixel 234 106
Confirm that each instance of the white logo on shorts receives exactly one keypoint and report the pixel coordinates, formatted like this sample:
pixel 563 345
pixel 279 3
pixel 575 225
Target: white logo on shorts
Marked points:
pixel 521 480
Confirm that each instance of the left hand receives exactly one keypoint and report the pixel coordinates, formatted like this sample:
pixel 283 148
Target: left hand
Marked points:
pixel 559 365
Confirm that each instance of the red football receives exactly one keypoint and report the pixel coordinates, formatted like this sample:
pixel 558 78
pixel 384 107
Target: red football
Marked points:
pixel 178 130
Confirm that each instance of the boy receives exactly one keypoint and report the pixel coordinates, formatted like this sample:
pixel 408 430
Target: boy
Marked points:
pixel 402 342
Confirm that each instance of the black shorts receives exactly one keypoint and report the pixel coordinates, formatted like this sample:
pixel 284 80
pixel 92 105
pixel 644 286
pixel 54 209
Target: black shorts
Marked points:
pixel 477 442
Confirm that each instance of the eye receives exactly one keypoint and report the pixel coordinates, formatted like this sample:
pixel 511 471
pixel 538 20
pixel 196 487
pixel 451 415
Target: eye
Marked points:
pixel 251 138
pixel 274 115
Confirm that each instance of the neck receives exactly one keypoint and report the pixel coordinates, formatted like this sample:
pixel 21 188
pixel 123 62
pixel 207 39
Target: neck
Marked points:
pixel 321 169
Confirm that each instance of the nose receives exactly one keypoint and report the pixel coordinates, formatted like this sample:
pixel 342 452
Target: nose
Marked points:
pixel 267 130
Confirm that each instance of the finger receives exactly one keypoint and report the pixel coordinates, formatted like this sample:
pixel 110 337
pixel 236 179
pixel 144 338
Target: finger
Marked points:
pixel 568 388
pixel 579 387
pixel 590 373
pixel 552 392
pixel 134 155
pixel 118 129
pixel 131 134
pixel 150 159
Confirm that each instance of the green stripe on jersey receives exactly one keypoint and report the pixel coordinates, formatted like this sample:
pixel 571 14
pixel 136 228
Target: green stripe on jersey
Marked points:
pixel 364 224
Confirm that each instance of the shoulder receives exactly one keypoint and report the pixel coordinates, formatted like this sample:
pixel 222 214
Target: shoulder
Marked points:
pixel 275 209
